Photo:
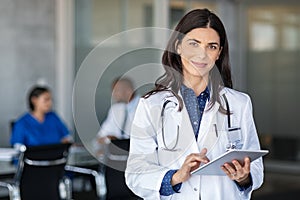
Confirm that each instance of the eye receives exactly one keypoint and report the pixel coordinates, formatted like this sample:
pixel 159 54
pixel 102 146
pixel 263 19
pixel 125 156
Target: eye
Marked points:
pixel 212 47
pixel 193 44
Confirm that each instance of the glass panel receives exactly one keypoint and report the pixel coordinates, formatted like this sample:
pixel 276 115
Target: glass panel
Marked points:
pixel 106 19
pixel 179 7
pixel 273 83
pixel 97 21
pixel 114 16
pixel 273 69
pixel 291 39
pixel 263 36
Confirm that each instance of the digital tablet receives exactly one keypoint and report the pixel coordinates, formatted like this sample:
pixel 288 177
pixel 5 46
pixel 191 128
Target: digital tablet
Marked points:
pixel 214 166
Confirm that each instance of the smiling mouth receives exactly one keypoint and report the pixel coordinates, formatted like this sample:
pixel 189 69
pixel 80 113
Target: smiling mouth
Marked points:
pixel 198 64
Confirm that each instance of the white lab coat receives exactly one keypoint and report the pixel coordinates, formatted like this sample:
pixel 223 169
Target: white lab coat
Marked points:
pixel 114 121
pixel 149 161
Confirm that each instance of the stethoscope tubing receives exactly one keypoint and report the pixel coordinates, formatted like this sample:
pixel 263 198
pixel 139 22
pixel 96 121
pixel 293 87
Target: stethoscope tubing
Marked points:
pixel 162 114
pixel 162 128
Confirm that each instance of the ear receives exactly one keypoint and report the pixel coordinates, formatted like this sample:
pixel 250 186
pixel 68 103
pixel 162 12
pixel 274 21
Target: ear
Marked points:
pixel 178 47
pixel 219 53
pixel 33 99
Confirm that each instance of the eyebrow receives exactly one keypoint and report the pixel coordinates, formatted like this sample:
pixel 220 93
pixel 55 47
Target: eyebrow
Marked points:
pixel 211 43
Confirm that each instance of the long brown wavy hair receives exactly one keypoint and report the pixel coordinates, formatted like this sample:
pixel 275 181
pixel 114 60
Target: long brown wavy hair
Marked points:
pixel 220 75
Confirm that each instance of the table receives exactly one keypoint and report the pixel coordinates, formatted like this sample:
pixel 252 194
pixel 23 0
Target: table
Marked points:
pixel 79 156
pixel 6 154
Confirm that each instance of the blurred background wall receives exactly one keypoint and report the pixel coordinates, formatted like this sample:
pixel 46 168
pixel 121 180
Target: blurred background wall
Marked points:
pixel 35 41
pixel 27 54
pixel 47 41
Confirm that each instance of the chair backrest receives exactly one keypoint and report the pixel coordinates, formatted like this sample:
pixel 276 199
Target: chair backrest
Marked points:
pixel 116 160
pixel 39 171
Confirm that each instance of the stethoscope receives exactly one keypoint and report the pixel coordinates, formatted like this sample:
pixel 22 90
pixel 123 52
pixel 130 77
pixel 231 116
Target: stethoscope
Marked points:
pixel 162 114
pixel 230 145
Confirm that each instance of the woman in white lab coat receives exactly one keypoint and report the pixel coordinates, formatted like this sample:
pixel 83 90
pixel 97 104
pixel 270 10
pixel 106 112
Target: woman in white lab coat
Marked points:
pixel 191 117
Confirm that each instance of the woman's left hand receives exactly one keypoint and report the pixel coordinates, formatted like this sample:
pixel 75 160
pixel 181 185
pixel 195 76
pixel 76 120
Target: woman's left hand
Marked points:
pixel 237 172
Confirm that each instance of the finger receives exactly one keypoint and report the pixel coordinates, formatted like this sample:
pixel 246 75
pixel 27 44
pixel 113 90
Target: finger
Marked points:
pixel 203 152
pixel 228 173
pixel 247 164
pixel 225 170
pixel 197 157
pixel 231 170
pixel 239 170
pixel 191 161
pixel 194 165
pixel 230 167
pixel 237 165
pixel 188 167
pixel 203 159
pixel 192 157
pixel 203 155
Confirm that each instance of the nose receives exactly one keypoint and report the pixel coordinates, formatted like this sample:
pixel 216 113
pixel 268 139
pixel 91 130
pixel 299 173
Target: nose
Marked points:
pixel 202 52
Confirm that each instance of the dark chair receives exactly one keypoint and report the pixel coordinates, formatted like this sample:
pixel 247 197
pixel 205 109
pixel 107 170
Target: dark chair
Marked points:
pixel 116 160
pixel 43 170
pixel 40 172
pixel 94 175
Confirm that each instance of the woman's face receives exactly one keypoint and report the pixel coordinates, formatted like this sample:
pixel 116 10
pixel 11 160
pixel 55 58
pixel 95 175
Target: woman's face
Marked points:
pixel 199 50
pixel 42 103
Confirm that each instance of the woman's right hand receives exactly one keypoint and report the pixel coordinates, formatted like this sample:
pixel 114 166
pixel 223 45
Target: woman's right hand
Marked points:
pixel 191 163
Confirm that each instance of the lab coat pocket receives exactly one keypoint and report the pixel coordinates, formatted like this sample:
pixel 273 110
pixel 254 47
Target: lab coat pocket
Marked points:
pixel 211 138
pixel 234 137
pixel 219 145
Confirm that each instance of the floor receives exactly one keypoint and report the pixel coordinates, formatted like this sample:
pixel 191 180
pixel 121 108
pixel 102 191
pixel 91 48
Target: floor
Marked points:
pixel 279 187
pixel 276 187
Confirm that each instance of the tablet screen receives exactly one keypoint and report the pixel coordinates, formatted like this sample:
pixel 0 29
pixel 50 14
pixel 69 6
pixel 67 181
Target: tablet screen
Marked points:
pixel 214 166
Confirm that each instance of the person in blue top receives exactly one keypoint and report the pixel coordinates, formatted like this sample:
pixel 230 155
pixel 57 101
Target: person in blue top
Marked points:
pixel 41 125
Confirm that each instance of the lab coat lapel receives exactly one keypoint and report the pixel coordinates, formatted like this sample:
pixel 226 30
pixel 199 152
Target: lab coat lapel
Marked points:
pixel 209 118
pixel 186 130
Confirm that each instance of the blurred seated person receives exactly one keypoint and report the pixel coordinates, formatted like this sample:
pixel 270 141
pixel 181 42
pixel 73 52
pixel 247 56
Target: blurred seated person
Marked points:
pixel 41 125
pixel 120 115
